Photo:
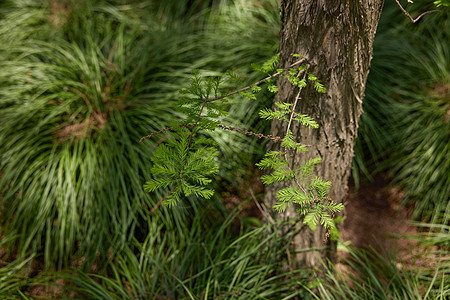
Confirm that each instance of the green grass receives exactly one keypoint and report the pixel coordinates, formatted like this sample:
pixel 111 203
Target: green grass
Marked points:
pixel 11 279
pixel 405 125
pixel 204 261
pixel 81 84
pixel 73 111
pixel 372 276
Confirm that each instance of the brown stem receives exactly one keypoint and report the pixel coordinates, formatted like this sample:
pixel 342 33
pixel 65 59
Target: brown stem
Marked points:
pixel 289 125
pixel 254 84
pixel 190 137
pixel 295 102
pixel 409 16
pixel 162 131
pixel 248 132
pixel 162 199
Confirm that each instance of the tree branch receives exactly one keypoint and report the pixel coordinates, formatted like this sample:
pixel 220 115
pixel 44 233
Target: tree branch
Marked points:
pixel 162 200
pixel 409 16
pixel 256 83
pixel 162 131
pixel 221 97
pixel 296 100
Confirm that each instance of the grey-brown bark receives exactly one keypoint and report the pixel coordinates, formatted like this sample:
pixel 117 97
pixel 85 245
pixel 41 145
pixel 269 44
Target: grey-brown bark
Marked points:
pixel 336 38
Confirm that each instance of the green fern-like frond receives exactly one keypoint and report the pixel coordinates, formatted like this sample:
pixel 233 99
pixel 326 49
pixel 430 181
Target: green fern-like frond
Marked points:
pixel 270 65
pixel 248 94
pixel 183 167
pixel 334 207
pixel 272 159
pixel 280 207
pixel 197 190
pixel 319 87
pixel 289 143
pixel 278 114
pixel 155 184
pixel 272 88
pixel 294 80
pixel 312 77
pixel 311 219
pixel 320 187
pixel 293 71
pixel 192 103
pixel 256 89
pixel 292 194
pixel 305 120
pixel 269 114
pixel 327 221
pixel 279 175
pixel 306 169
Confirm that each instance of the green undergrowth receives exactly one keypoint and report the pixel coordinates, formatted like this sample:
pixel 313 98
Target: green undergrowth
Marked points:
pixel 73 107
pixel 405 127
pixel 82 82
pixel 368 274
pixel 373 276
pixel 80 85
pixel 203 261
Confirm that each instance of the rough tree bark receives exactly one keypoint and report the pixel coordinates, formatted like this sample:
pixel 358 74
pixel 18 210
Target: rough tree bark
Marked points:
pixel 336 37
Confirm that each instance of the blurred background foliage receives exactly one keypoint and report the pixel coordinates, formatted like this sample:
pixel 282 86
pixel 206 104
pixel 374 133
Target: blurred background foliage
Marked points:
pixel 405 130
pixel 82 81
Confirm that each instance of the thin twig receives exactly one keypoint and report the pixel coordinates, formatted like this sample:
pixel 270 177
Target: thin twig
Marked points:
pixel 196 122
pixel 295 102
pixel 262 209
pixel 289 125
pixel 291 268
pixel 162 199
pixel 254 84
pixel 248 132
pixel 190 136
pixel 162 131
pixel 409 16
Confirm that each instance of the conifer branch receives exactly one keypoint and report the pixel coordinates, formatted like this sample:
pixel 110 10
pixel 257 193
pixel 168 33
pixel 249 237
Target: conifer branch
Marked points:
pixel 163 131
pixel 249 132
pixel 186 164
pixel 289 125
pixel 162 200
pixel 196 122
pixel 296 100
pixel 256 83
pixel 190 136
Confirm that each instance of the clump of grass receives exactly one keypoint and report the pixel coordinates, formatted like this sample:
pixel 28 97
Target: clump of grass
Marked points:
pixel 80 84
pixel 406 106
pixel 15 273
pixel 373 276
pixel 73 108
pixel 205 261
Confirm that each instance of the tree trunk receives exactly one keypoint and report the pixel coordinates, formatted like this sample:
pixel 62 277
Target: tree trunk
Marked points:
pixel 336 38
